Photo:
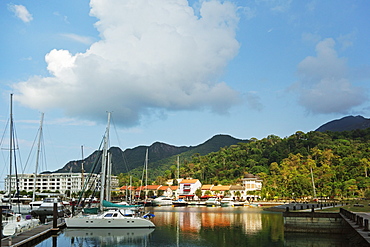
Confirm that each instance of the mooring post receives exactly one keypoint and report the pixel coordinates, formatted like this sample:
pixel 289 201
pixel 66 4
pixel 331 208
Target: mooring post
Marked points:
pixel 366 225
pixel 55 215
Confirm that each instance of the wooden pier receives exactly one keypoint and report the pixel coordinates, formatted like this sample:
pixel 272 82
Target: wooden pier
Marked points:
pixel 359 222
pixel 36 234
pixel 33 236
pixel 344 222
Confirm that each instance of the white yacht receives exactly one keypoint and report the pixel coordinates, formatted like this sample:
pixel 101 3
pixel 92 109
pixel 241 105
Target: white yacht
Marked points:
pixel 47 207
pixel 18 224
pixel 162 201
pixel 227 202
pixel 113 218
pixel 212 201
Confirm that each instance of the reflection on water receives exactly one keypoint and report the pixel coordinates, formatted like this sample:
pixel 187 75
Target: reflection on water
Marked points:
pixel 107 237
pixel 197 226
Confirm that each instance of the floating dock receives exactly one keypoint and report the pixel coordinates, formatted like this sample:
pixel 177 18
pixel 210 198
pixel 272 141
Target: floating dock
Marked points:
pixel 33 236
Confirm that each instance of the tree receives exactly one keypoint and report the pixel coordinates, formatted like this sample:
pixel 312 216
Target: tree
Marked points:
pixel 198 192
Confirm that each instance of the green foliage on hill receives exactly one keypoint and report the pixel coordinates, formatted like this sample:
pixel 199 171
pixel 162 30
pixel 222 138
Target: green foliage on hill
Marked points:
pixel 340 163
pixel 161 157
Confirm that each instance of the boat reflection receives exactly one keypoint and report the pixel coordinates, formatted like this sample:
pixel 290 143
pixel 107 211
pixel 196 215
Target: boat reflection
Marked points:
pixel 195 219
pixel 102 237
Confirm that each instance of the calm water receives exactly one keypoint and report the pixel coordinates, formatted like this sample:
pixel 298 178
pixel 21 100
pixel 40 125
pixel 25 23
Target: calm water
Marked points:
pixel 199 226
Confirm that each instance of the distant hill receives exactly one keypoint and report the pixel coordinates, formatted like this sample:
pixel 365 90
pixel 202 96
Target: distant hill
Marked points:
pixel 161 156
pixel 346 124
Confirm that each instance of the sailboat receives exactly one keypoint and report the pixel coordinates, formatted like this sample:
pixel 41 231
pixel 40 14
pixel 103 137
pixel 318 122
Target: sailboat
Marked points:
pixel 15 223
pixel 117 216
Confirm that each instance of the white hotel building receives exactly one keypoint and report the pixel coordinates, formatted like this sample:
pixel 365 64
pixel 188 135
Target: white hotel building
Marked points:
pixel 56 181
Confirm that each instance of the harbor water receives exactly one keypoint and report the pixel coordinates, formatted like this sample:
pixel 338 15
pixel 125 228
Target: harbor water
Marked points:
pixel 199 226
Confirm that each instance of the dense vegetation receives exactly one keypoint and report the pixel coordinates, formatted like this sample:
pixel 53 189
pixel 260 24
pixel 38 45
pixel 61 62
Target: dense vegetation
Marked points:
pixel 336 163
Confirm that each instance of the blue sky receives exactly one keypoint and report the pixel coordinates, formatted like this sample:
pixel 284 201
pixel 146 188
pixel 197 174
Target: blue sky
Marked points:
pixel 178 71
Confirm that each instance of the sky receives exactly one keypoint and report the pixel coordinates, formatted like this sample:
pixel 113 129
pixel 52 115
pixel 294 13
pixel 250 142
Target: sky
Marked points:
pixel 176 71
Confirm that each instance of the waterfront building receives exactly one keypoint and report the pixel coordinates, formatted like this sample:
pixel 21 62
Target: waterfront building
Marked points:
pixel 169 191
pixel 238 192
pixel 62 182
pixel 252 182
pixel 245 191
pixel 187 187
pixel 153 190
pixel 221 190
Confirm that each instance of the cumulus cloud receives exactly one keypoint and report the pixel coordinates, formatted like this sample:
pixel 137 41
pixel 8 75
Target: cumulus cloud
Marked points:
pixel 254 101
pixel 324 86
pixel 152 56
pixel 78 38
pixel 21 12
pixel 276 5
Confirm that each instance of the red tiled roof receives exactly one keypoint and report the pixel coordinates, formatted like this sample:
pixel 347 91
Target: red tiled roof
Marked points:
pixel 207 187
pixel 127 187
pixel 189 181
pixel 220 187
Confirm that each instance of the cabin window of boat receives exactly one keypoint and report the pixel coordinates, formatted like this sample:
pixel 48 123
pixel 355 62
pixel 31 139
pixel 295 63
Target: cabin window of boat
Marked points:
pixel 108 215
pixel 115 215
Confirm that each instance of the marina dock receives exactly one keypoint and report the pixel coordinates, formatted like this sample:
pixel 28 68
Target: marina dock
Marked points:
pixel 336 223
pixel 359 222
pixel 33 236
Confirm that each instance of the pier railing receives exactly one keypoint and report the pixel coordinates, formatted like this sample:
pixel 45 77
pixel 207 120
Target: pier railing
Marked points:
pixel 358 219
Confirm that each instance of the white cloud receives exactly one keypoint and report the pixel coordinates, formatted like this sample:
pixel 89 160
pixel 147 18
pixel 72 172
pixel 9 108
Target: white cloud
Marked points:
pixel 254 101
pixel 276 5
pixel 324 86
pixel 81 39
pixel 152 56
pixel 21 12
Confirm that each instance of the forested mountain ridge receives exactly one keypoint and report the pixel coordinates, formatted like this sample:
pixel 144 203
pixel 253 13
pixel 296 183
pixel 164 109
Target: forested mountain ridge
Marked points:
pixel 339 161
pixel 161 156
pixel 345 124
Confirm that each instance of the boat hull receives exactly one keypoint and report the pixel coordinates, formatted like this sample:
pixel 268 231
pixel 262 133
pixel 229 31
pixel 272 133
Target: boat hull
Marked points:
pixel 97 222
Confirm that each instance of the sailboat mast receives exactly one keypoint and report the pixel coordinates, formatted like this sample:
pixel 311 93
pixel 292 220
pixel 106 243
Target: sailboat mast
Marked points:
pixel 82 168
pixel 10 148
pixel 104 164
pixel 146 174
pixel 108 180
pixel 178 168
pixel 37 157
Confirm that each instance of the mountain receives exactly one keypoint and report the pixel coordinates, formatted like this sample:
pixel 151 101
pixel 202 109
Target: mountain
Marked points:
pixel 346 124
pixel 161 156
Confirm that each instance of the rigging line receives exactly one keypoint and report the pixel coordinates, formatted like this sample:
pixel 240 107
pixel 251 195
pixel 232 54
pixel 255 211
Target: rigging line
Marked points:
pixel 44 163
pixel 92 169
pixel 29 154
pixel 51 147
pixel 16 146
pixel 16 194
pixel 4 133
pixel 125 163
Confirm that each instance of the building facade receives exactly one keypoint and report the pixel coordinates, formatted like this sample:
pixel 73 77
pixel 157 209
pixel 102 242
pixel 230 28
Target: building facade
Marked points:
pixel 62 182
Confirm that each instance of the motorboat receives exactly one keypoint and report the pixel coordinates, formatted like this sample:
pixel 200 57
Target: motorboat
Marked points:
pixel 47 208
pixel 227 202
pixel 180 203
pixel 212 202
pixel 128 217
pixel 19 224
pixel 162 201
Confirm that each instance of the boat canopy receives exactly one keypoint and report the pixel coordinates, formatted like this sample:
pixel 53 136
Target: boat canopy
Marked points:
pixel 108 204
